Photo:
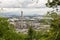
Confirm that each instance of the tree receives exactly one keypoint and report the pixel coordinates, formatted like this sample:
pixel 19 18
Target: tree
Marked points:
pixel 7 32
pixel 53 3
pixel 55 26
pixel 55 23
pixel 30 33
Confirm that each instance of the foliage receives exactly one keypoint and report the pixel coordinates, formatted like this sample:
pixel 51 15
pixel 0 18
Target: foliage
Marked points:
pixel 7 32
pixel 31 33
pixel 53 3
pixel 55 26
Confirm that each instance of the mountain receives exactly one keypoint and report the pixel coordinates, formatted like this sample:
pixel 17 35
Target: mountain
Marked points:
pixel 16 14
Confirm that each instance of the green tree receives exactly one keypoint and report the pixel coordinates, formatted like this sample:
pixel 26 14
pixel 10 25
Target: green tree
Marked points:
pixel 55 26
pixel 53 3
pixel 30 33
pixel 7 32
pixel 55 23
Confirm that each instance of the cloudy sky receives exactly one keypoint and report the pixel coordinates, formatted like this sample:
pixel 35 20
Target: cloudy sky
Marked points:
pixel 22 3
pixel 26 11
pixel 29 7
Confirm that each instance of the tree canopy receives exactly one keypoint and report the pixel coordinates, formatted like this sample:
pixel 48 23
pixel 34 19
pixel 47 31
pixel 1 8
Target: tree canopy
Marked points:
pixel 53 3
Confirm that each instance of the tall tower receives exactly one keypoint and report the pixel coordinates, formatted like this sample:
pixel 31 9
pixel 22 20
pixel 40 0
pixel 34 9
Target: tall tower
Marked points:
pixel 21 19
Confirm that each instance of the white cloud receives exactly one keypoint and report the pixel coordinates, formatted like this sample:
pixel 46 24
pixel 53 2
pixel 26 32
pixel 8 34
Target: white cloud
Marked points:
pixel 21 3
pixel 41 3
pixel 27 11
pixel 9 3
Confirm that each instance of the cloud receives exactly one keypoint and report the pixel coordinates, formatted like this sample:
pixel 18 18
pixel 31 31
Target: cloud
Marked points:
pixel 9 3
pixel 27 11
pixel 40 3
pixel 21 3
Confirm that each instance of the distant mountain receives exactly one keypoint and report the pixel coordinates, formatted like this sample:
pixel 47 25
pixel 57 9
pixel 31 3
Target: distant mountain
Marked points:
pixel 16 14
pixel 9 14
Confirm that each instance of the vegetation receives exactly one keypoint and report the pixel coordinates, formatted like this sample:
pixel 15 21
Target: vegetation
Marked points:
pixel 7 31
pixel 53 3
pixel 55 26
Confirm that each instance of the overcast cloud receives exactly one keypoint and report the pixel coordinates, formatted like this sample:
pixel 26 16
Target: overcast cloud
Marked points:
pixel 22 3
pixel 26 11
pixel 27 6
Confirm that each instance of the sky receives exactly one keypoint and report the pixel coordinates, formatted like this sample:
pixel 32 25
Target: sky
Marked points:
pixel 29 7
pixel 26 11
pixel 22 3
